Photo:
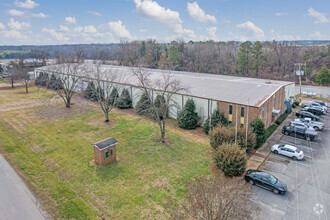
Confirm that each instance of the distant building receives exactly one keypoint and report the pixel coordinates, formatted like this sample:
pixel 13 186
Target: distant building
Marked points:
pixel 248 98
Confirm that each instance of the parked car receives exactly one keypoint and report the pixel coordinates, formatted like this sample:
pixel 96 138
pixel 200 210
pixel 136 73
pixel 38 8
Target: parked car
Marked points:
pixel 314 104
pixel 288 150
pixel 266 181
pixel 301 124
pixel 321 103
pixel 299 132
pixel 314 110
pixel 318 126
pixel 305 114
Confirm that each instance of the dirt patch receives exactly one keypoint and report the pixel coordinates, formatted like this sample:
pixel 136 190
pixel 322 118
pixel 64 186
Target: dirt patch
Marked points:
pixel 161 183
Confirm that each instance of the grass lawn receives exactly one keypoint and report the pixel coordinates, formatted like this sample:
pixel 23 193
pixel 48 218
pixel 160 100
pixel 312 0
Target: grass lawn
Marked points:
pixel 52 152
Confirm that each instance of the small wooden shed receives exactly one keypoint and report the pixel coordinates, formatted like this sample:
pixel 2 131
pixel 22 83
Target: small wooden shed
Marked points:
pixel 105 151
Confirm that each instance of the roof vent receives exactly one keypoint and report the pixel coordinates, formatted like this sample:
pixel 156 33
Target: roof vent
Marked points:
pixel 268 82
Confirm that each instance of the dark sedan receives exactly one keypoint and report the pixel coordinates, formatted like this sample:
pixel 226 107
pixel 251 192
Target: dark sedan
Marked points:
pixel 266 181
pixel 305 114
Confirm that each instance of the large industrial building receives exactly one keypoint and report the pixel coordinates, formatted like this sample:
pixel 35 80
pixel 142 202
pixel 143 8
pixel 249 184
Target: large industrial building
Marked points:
pixel 241 99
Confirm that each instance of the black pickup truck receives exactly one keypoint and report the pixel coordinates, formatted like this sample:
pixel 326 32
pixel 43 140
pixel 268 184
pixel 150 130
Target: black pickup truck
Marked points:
pixel 300 132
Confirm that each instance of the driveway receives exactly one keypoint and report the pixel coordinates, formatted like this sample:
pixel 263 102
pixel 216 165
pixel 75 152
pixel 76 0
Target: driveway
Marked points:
pixel 308 181
pixel 16 200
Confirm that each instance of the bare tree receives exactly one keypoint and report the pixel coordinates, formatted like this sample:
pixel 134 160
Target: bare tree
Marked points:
pixel 104 82
pixel 68 76
pixel 20 73
pixel 164 86
pixel 217 198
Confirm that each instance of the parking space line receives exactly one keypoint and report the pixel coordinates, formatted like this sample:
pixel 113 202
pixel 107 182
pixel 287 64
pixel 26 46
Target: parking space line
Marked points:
pixel 276 157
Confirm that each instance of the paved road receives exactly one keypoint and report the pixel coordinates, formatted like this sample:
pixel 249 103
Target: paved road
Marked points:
pixel 16 200
pixel 308 181
pixel 323 91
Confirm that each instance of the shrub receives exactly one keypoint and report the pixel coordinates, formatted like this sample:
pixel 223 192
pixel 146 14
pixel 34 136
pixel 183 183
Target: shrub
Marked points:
pixel 159 104
pixel 188 118
pixel 216 119
pixel 230 159
pixel 281 119
pixel 90 92
pixel 258 128
pixel 38 79
pixel 296 103
pixel 113 97
pixel 42 79
pixel 221 135
pixel 124 100
pixel 271 129
pixel 143 104
pixel 54 83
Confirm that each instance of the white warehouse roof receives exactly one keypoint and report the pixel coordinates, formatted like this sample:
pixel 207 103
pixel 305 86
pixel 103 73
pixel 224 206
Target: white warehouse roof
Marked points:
pixel 232 89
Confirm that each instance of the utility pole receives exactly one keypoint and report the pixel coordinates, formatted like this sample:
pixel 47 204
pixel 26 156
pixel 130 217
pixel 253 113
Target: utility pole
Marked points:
pixel 236 127
pixel 299 74
pixel 247 126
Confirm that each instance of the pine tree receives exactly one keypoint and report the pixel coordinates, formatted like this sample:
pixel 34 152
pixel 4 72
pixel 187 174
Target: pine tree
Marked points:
pixel 257 56
pixel 143 105
pixel 90 92
pixel 188 118
pixel 244 57
pixel 124 100
pixel 217 118
pixel 114 95
pixel 323 76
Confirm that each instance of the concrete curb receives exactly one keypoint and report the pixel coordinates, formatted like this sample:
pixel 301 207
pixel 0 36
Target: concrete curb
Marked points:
pixel 258 158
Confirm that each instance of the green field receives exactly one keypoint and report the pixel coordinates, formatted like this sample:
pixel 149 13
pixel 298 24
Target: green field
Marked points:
pixel 50 147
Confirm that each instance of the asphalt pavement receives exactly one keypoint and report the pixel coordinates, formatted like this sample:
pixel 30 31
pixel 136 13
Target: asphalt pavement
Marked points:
pixel 308 180
pixel 16 200
pixel 317 90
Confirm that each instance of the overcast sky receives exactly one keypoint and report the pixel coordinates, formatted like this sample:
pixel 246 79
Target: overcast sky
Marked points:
pixel 108 21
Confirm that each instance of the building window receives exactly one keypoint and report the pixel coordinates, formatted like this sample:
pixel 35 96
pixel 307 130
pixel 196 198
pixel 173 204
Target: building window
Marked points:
pixel 242 115
pixel 274 101
pixel 230 114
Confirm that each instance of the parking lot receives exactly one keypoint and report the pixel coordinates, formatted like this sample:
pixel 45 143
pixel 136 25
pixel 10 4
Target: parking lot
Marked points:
pixel 308 180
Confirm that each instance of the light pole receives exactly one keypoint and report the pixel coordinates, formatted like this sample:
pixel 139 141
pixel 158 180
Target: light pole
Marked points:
pixel 299 73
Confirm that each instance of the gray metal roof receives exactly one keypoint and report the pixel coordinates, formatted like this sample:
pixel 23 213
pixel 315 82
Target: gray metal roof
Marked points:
pixel 105 143
pixel 232 89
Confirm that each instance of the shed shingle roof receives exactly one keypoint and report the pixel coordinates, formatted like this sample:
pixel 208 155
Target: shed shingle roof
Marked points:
pixel 105 143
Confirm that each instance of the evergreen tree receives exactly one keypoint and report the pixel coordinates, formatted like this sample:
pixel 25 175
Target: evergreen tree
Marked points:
pixel 38 79
pixel 244 57
pixel 216 119
pixel 44 79
pixel 174 57
pixel 124 100
pixel 257 56
pixel 114 95
pixel 143 105
pixel 90 92
pixel 230 159
pixel 188 118
pixel 258 127
pixel 323 76
pixel 160 106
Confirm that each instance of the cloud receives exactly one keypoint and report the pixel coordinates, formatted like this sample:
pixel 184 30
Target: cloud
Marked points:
pixel 212 31
pixel 318 36
pixel 198 14
pixel 15 13
pixel 279 36
pixel 70 20
pixel 27 4
pixel 119 29
pixel 13 34
pixel 2 27
pixel 320 17
pixel 90 29
pixel 251 29
pixel 171 19
pixel 15 25
pixel 279 14
pixel 56 35
pixel 225 21
pixel 95 13
pixel 143 30
pixel 39 15
pixel 64 28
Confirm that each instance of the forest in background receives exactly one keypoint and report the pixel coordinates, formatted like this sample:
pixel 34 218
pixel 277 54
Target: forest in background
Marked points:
pixel 268 60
